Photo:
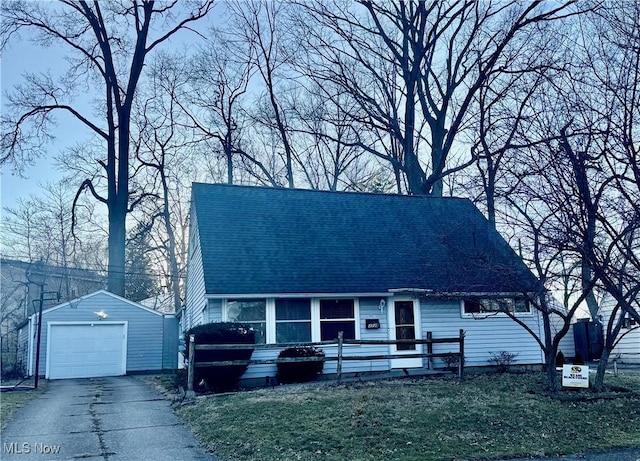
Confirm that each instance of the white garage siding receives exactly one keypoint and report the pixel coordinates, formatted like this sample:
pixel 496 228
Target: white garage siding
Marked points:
pixel 146 330
pixel 86 350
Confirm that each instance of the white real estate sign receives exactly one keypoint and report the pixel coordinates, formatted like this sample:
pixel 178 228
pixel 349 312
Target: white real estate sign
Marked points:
pixel 575 376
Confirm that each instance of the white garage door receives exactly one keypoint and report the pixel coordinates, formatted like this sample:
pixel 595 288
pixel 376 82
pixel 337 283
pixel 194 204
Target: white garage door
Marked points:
pixel 86 350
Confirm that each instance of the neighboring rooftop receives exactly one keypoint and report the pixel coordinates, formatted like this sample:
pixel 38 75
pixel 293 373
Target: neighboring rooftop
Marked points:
pixel 50 270
pixel 259 240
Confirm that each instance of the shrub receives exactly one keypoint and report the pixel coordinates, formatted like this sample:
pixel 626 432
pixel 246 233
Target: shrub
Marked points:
pixel 503 360
pixel 299 372
pixel 451 362
pixel 221 378
pixel 578 359
pixel 560 360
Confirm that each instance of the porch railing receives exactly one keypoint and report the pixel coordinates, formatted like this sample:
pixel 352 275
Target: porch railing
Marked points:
pixel 340 357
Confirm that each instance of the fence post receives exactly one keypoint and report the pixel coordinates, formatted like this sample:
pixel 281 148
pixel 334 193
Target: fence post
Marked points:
pixel 429 349
pixel 461 361
pixel 191 366
pixel 339 369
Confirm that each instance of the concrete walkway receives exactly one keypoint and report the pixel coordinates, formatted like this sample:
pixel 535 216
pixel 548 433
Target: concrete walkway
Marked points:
pixel 110 419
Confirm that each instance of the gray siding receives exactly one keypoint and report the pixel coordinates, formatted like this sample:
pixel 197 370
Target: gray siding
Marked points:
pixel 443 318
pixel 628 348
pixel 195 302
pixel 369 309
pixel 483 336
pixel 214 311
pixel 170 343
pixel 145 329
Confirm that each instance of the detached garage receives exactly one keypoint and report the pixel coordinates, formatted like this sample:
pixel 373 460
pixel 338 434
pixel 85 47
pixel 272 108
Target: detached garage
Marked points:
pixel 102 334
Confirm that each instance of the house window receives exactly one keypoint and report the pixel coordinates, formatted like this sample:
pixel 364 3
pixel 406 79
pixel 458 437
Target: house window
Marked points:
pixel 491 306
pixel 337 315
pixel 293 320
pixel 252 312
pixel 629 321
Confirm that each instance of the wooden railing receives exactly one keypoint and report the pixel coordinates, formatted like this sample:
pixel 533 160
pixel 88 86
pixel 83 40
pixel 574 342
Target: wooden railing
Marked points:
pixel 340 357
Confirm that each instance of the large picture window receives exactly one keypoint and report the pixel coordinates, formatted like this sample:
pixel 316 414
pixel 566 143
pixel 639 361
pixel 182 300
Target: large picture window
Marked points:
pixel 337 315
pixel 293 320
pixel 490 306
pixel 252 312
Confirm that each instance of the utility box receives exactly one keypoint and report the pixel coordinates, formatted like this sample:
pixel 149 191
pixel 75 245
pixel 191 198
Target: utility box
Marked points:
pixel 588 339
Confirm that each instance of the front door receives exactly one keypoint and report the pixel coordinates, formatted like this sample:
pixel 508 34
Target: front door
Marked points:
pixel 404 321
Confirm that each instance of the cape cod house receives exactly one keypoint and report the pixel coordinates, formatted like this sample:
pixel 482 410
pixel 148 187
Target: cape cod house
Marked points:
pixel 301 265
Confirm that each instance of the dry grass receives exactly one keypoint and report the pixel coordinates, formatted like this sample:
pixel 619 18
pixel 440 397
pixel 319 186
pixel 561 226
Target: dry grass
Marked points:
pixel 486 416
pixel 10 401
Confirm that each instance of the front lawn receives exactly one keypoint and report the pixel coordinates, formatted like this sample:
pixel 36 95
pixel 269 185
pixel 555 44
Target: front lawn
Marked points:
pixel 485 416
pixel 10 401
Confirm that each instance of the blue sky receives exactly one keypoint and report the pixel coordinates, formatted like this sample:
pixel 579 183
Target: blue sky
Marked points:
pixel 21 57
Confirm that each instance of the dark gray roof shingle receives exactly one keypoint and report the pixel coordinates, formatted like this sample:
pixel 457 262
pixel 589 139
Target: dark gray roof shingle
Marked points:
pixel 258 240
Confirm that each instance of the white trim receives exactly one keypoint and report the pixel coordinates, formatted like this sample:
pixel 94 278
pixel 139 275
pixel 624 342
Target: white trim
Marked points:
pixel 270 315
pixel 315 320
pixel 316 334
pixel 99 292
pixel 270 319
pixel 380 294
pixel 417 321
pixel 125 339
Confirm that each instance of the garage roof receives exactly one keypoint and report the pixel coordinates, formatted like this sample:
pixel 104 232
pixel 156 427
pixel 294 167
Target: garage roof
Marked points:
pixel 101 292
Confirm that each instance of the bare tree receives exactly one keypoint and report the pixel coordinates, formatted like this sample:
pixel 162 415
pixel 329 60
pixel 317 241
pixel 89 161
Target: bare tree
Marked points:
pixel 108 43
pixel 260 25
pixel 575 192
pixel 38 228
pixel 164 147
pixel 439 55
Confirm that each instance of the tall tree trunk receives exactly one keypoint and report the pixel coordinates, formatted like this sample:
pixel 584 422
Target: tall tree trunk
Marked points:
pixel 117 236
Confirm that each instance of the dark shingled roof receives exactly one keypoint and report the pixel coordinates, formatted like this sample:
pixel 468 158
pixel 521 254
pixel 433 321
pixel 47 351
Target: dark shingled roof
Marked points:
pixel 258 240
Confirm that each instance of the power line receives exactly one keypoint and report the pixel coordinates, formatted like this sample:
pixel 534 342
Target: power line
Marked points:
pixel 104 271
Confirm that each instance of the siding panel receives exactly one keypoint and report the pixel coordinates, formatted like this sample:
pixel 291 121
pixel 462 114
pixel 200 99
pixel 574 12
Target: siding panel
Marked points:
pixel 484 337
pixel 144 332
pixel 628 348
pixel 195 303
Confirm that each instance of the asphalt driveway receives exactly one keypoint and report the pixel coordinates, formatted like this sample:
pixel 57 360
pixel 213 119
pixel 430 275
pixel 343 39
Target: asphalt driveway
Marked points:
pixel 99 419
